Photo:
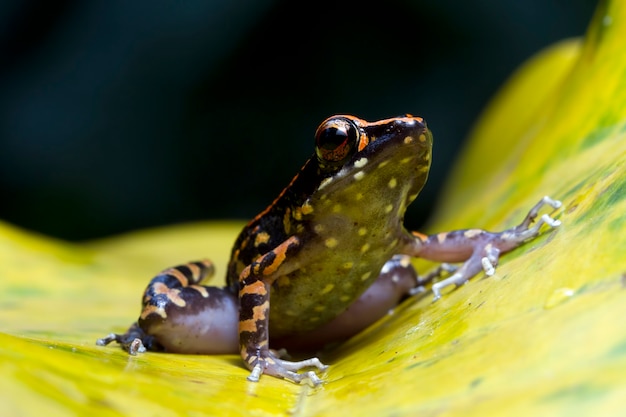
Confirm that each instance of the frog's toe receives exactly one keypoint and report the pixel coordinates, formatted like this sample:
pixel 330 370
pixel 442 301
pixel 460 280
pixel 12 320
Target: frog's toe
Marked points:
pixel 110 338
pixel 288 370
pixel 485 258
pixel 134 341
pixel 455 279
pixel 132 345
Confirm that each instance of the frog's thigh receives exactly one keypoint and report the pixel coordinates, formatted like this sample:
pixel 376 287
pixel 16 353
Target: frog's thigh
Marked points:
pixel 185 317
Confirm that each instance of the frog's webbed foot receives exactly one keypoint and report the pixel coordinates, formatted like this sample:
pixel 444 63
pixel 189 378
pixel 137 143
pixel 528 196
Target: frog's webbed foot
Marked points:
pixel 487 247
pixel 273 365
pixel 134 341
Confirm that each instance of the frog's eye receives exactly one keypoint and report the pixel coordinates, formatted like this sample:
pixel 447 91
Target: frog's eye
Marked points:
pixel 335 141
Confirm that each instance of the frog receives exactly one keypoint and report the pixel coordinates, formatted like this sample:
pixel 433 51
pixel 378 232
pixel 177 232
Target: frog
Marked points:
pixel 326 259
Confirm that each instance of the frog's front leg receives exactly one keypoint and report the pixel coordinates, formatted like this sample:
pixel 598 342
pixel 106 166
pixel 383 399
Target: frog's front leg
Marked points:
pixel 479 249
pixel 254 312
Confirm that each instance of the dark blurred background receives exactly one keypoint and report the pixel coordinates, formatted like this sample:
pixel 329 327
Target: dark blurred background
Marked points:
pixel 120 115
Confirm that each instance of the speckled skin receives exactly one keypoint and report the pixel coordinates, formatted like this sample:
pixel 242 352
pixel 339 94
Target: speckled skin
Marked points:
pixel 351 226
pixel 300 271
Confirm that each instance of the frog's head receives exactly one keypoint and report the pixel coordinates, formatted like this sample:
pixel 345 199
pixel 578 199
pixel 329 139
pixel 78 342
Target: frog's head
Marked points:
pixel 380 166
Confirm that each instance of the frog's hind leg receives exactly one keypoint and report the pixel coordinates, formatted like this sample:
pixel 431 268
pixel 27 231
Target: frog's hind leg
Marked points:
pixel 179 315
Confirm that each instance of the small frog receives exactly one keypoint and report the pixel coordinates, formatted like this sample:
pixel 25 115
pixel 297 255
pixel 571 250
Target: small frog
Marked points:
pixel 328 257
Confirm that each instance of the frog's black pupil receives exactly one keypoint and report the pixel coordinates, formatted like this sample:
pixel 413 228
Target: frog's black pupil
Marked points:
pixel 332 138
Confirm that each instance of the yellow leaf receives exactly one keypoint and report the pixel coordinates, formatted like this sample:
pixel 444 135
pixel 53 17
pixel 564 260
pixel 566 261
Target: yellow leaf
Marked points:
pixel 543 336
